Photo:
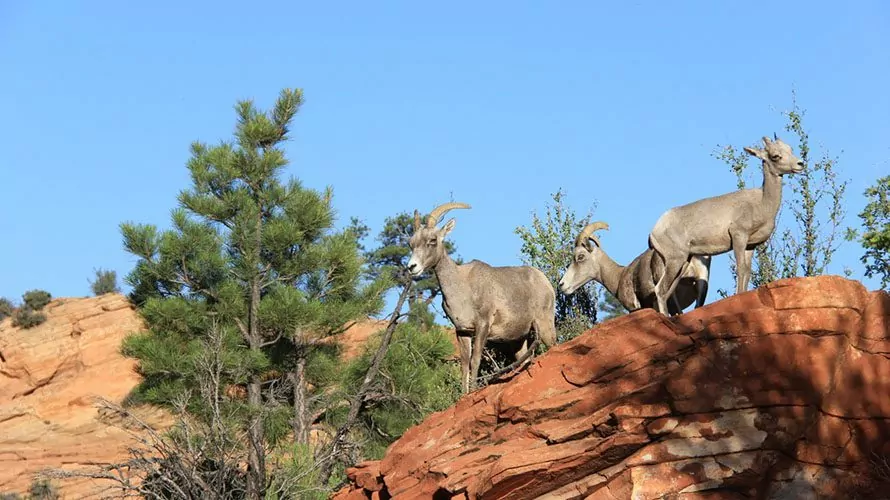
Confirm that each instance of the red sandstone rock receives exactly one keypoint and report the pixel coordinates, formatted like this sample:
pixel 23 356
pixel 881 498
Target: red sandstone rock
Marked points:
pixel 782 392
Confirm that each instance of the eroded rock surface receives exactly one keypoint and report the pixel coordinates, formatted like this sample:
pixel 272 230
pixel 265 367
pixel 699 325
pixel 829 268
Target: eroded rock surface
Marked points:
pixel 50 376
pixel 782 392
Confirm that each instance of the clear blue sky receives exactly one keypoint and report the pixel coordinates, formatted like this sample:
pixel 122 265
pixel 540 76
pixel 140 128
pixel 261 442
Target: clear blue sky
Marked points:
pixel 499 103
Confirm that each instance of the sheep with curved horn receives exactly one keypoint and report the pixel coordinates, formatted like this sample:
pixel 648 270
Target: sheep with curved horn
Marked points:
pixel 485 303
pixel 738 221
pixel 633 285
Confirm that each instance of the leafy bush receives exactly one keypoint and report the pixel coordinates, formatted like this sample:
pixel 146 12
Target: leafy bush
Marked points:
pixel 36 299
pixel 6 308
pixel 25 317
pixel 105 282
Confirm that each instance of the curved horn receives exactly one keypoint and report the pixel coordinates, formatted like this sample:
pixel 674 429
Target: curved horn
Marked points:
pixel 587 233
pixel 416 220
pixel 439 211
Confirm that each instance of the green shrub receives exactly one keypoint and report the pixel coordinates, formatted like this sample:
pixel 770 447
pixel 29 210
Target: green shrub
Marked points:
pixel 25 317
pixel 42 489
pixel 297 476
pixel 10 496
pixel 105 282
pixel 6 308
pixel 36 299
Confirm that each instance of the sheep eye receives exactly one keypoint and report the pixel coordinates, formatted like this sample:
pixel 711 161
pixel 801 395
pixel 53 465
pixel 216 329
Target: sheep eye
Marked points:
pixel 775 157
pixel 433 242
pixel 579 257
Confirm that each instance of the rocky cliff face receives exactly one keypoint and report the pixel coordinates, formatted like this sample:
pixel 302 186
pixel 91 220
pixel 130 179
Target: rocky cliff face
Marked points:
pixel 50 376
pixel 782 392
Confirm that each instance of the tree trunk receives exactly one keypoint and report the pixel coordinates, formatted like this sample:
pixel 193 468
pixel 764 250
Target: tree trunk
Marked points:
pixel 300 422
pixel 256 453
pixel 358 400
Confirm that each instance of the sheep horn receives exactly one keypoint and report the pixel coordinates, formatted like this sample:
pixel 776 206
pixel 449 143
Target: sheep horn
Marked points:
pixel 439 211
pixel 416 220
pixel 587 233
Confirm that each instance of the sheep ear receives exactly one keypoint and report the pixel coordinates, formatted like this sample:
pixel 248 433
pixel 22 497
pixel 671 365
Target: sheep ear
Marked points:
pixel 448 227
pixel 756 152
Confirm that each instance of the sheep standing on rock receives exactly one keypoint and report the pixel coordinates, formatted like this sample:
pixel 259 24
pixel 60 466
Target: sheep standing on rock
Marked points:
pixel 737 221
pixel 485 303
pixel 633 285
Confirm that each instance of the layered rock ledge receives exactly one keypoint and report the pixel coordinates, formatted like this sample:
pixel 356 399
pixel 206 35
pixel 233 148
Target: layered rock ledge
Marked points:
pixel 781 392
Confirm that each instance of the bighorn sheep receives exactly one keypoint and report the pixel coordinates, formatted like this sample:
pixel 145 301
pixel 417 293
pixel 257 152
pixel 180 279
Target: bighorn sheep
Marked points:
pixel 737 221
pixel 485 303
pixel 633 285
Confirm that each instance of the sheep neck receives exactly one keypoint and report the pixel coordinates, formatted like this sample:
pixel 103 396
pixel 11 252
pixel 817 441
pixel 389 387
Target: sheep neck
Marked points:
pixel 610 273
pixel 450 281
pixel 771 192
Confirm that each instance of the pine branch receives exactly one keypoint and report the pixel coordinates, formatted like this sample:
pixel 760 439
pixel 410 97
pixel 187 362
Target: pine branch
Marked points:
pixel 359 399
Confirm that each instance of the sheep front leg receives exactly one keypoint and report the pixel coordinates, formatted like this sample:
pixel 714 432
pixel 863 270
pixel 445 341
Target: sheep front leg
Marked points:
pixel 749 256
pixel 743 265
pixel 476 359
pixel 466 345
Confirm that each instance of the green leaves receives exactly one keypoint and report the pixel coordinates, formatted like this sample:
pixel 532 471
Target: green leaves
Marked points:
pixel 547 245
pixel 140 240
pixel 876 236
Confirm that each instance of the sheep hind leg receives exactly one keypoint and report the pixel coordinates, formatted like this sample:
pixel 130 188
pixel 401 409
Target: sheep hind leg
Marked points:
pixel 675 260
pixel 545 330
pixel 674 308
pixel 522 356
pixel 466 348
pixel 666 286
pixel 701 292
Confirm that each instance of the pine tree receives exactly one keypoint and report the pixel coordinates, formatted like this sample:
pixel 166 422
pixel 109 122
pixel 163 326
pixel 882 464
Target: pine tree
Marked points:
pixel 257 260
pixel 610 307
pixel 547 245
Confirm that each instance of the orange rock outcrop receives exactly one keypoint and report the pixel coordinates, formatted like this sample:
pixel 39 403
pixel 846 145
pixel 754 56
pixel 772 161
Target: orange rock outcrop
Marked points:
pixel 781 392
pixel 50 376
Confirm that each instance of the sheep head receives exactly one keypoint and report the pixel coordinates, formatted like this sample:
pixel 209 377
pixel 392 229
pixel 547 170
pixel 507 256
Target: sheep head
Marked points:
pixel 427 246
pixel 585 265
pixel 777 156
